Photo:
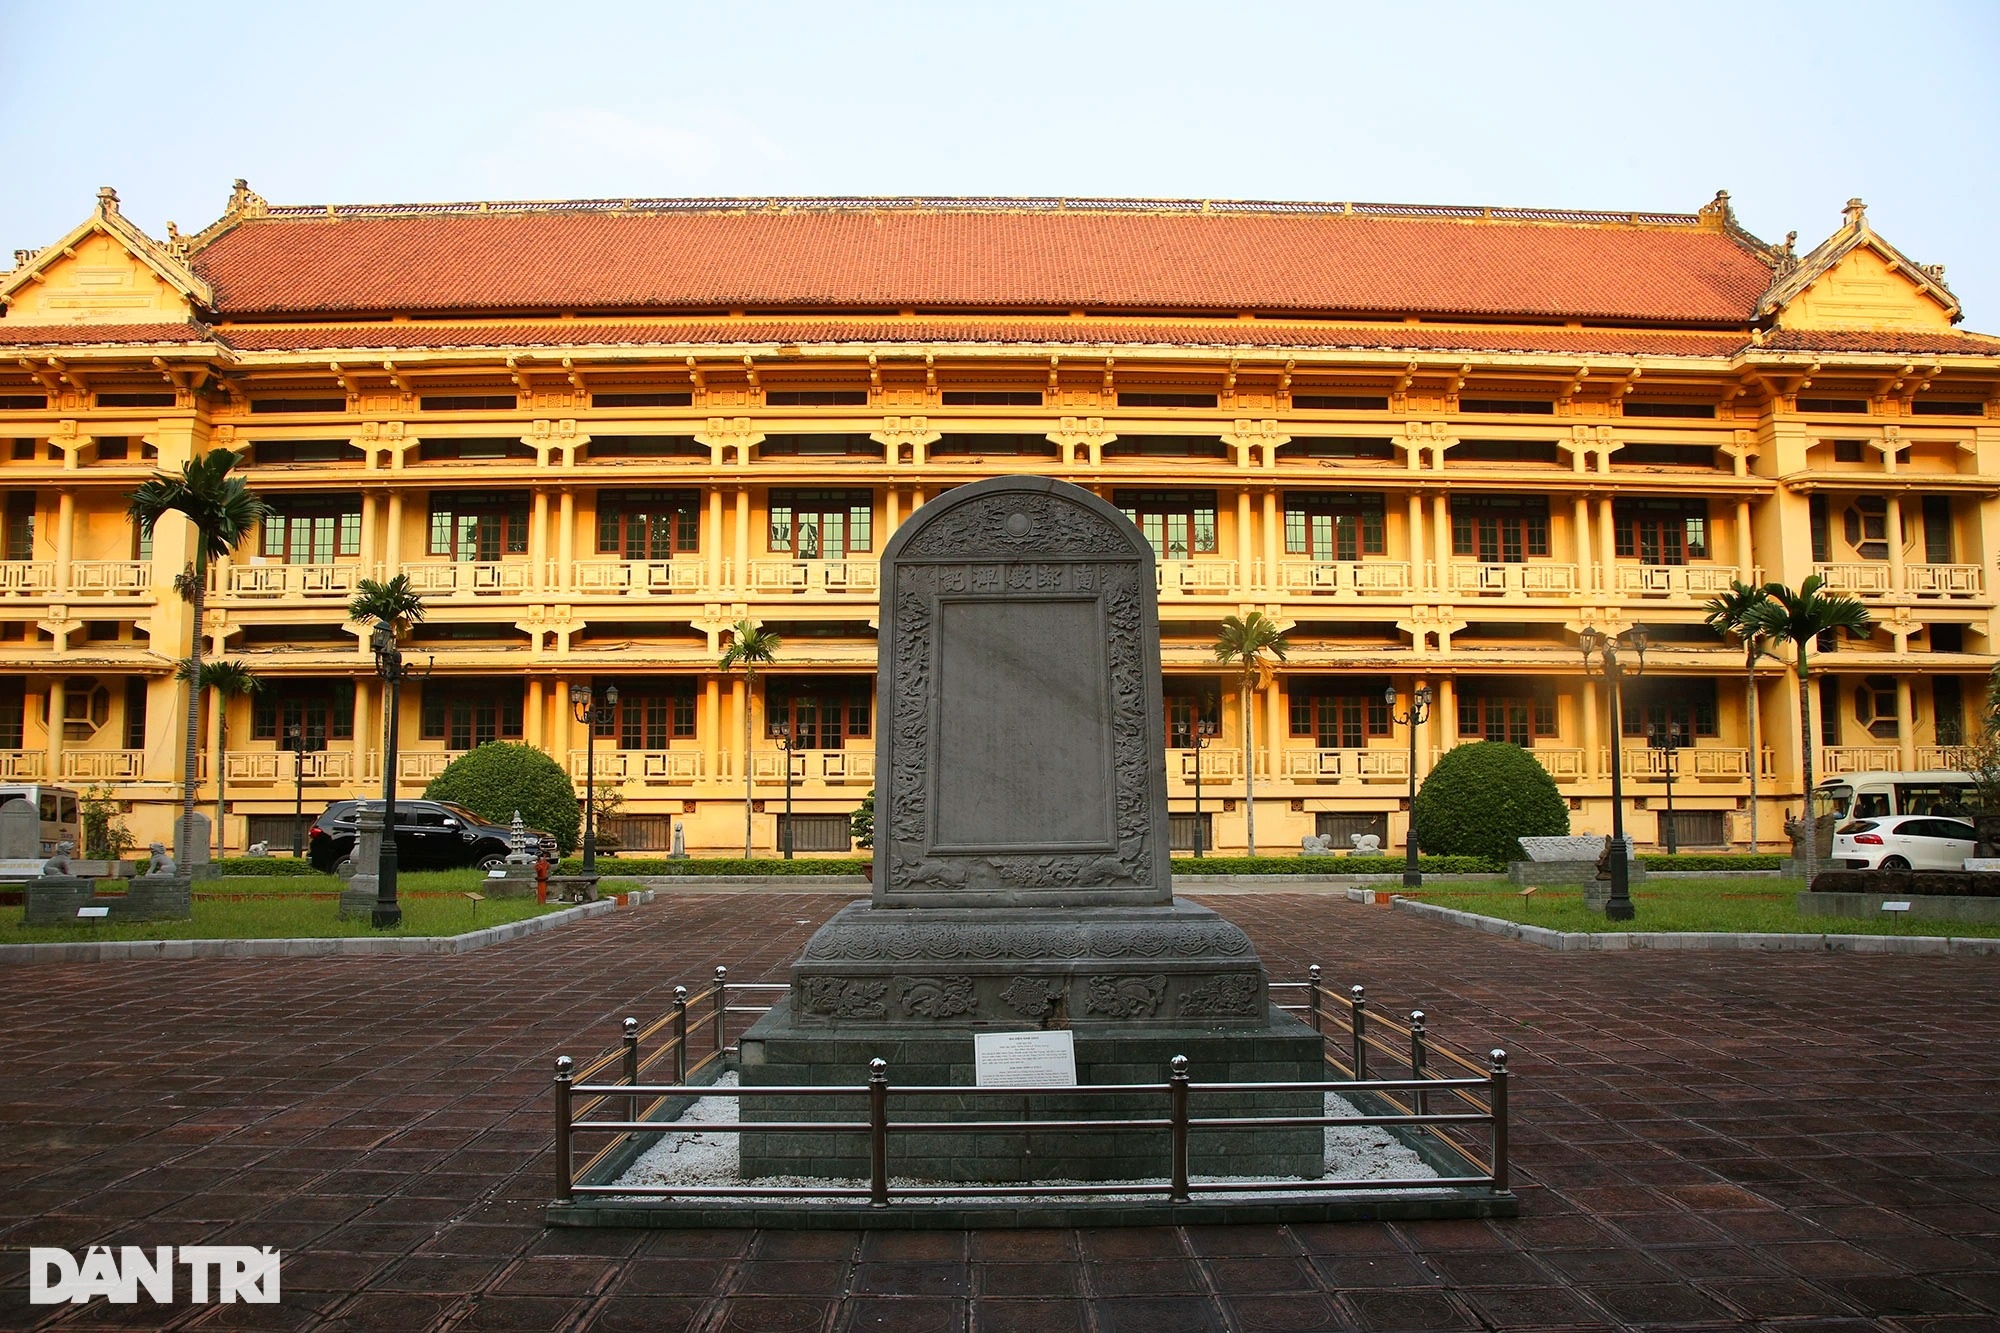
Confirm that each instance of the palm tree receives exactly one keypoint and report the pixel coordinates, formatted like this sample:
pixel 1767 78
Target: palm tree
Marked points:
pixel 224 680
pixel 223 510
pixel 392 602
pixel 748 646
pixel 1245 641
pixel 1798 618
pixel 1729 616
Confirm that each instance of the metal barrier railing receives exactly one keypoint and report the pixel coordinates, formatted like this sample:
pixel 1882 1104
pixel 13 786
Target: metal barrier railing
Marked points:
pixel 1476 1097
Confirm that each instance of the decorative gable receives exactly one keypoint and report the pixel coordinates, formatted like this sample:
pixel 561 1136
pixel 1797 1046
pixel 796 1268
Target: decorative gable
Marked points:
pixel 1857 280
pixel 105 271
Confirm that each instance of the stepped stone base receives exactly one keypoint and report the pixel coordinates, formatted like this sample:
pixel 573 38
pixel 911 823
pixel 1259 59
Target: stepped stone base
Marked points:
pixel 54 901
pixel 1136 986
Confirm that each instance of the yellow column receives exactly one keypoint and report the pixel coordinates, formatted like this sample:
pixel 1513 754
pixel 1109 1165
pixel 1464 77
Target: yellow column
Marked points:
pixel 365 741
pixel 1586 576
pixel 1271 531
pixel 566 539
pixel 65 536
pixel 1744 558
pixel 711 730
pixel 1906 719
pixel 392 542
pixel 711 540
pixel 892 512
pixel 371 526
pixel 1414 544
pixel 535 723
pixel 1445 713
pixel 560 721
pixel 742 580
pixel 1607 545
pixel 1441 541
pixel 1895 522
pixel 1246 548
pixel 739 708
pixel 538 542
pixel 1276 724
pixel 58 698
pixel 1592 706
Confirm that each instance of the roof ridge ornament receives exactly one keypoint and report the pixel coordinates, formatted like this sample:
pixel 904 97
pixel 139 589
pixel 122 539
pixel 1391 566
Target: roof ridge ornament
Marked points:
pixel 107 199
pixel 1856 213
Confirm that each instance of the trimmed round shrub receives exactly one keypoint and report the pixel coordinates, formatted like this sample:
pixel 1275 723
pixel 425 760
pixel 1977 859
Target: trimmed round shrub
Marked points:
pixel 498 778
pixel 1480 799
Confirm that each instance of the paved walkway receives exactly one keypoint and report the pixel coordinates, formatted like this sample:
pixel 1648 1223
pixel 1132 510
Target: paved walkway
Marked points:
pixel 1704 1141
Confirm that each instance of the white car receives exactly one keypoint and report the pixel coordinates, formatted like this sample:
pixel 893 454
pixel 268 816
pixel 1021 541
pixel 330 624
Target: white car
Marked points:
pixel 1904 842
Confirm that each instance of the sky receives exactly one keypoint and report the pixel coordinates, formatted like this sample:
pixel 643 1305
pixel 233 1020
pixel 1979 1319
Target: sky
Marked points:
pixel 1792 107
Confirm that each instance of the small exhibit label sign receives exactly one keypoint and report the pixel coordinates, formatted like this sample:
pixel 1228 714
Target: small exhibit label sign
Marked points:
pixel 1896 907
pixel 496 874
pixel 1024 1059
pixel 93 911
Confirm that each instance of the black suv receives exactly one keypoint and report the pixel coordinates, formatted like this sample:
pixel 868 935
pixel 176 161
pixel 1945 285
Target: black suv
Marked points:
pixel 430 835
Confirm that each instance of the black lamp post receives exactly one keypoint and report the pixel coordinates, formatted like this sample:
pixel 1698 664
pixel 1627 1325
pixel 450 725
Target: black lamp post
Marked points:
pixel 389 666
pixel 301 743
pixel 1418 714
pixel 1666 737
pixel 1604 648
pixel 782 730
pixel 1204 735
pixel 586 708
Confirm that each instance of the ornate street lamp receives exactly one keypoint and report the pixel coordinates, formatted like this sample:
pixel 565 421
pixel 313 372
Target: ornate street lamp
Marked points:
pixel 587 709
pixel 1418 714
pixel 301 743
pixel 1205 729
pixel 1667 737
pixel 783 730
pixel 389 666
pixel 1600 658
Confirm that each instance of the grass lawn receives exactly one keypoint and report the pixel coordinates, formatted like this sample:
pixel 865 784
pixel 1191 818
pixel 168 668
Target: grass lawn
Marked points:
pixel 1760 906
pixel 301 907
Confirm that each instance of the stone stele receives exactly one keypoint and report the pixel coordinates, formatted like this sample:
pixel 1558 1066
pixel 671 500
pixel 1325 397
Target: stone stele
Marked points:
pixel 1021 872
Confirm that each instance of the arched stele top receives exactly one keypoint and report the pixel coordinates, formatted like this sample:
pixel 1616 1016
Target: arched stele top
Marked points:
pixel 1020 758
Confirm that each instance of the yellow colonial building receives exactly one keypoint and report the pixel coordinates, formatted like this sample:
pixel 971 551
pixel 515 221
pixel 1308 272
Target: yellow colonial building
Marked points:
pixel 1434 443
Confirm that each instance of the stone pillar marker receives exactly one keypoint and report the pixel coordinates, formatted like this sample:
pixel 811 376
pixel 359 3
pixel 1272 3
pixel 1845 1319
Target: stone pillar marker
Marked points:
pixel 1022 880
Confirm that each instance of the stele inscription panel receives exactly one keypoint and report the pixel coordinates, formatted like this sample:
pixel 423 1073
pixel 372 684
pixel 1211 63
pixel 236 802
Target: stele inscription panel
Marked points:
pixel 1021 759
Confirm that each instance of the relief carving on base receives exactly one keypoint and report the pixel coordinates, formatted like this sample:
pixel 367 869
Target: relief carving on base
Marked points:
pixel 936 997
pixel 1125 997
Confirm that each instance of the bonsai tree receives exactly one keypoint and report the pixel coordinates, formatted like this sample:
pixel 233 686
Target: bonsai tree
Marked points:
pixel 499 777
pixel 224 680
pixel 224 512
pixel 1245 642
pixel 1799 618
pixel 1732 615
pixel 1481 799
pixel 749 647
pixel 861 824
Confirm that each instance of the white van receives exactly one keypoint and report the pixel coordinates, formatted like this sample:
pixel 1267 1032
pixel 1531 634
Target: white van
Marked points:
pixel 62 820
pixel 1917 792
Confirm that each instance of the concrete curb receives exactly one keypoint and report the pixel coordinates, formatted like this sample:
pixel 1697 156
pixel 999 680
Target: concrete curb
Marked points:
pixel 1617 941
pixel 98 951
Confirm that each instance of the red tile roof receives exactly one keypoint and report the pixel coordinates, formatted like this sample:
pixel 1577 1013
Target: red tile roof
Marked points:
pixel 98 335
pixel 939 331
pixel 681 255
pixel 1866 340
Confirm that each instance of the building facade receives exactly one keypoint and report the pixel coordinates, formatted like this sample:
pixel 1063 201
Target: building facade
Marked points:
pixel 1436 444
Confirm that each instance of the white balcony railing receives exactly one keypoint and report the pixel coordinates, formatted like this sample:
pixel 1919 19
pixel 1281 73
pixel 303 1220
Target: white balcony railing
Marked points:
pixel 251 767
pixel 422 765
pixel 1533 579
pixel 27 578
pixel 1196 576
pixel 110 578
pixel 1365 578
pixel 20 765
pixel 1218 764
pixel 1347 765
pixel 1691 581
pixel 841 767
pixel 103 765
pixel 1857 578
pixel 291 582
pixel 1690 764
pixel 808 576
pixel 647 766
pixel 1942 580
pixel 473 578
pixel 638 578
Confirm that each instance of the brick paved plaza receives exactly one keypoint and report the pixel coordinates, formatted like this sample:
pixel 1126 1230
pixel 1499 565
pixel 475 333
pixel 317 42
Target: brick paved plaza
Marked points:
pixel 1702 1141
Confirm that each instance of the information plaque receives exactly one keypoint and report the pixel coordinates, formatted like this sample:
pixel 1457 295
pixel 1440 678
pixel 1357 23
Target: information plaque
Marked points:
pixel 1024 1059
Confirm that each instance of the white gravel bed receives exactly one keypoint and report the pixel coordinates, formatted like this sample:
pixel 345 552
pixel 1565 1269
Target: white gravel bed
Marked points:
pixel 688 1158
